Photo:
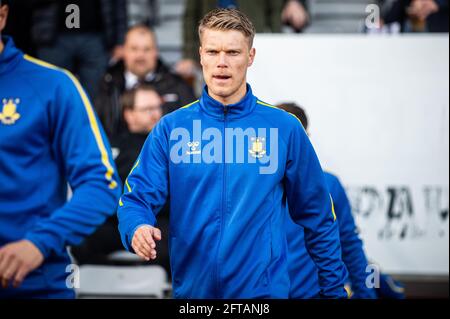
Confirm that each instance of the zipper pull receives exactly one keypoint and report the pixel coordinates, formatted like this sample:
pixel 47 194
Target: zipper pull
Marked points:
pixel 225 110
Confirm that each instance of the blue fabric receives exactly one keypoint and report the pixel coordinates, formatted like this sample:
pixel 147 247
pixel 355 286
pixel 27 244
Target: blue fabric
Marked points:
pixel 50 137
pixel 227 4
pixel 303 272
pixel 227 219
pixel 390 288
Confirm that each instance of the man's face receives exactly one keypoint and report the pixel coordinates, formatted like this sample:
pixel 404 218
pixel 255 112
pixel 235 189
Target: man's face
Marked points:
pixel 3 16
pixel 146 113
pixel 225 57
pixel 140 52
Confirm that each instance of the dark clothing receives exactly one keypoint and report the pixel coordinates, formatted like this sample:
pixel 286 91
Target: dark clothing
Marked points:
pixel 83 50
pixel 129 146
pixel 172 88
pixel 437 22
pixel 46 20
pixel 19 25
pixel 106 240
pixel 90 11
pixel 83 53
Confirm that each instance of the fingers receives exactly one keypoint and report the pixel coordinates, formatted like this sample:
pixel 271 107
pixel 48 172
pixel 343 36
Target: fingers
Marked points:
pixel 5 261
pixel 141 247
pixel 144 245
pixel 9 273
pixel 157 234
pixel 151 235
pixel 144 242
pixel 21 273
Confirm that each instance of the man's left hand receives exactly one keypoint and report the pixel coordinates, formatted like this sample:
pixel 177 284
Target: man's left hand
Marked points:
pixel 17 260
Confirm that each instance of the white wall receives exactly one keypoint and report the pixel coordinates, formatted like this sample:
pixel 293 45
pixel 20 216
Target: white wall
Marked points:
pixel 379 119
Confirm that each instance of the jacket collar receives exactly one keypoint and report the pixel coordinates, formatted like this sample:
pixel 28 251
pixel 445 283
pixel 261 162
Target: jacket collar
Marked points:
pixel 233 111
pixel 10 55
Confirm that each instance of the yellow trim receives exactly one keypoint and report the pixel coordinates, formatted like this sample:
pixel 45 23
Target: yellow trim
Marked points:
pixel 274 107
pixel 91 115
pixel 190 104
pixel 332 208
pixel 394 287
pixel 265 104
pixel 349 291
pixel 126 181
pixel 128 185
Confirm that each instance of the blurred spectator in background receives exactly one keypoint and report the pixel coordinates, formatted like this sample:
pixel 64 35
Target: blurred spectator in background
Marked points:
pixel 84 50
pixel 416 15
pixel 303 273
pixel 142 109
pixel 143 12
pixel 267 16
pixel 141 64
pixel 19 24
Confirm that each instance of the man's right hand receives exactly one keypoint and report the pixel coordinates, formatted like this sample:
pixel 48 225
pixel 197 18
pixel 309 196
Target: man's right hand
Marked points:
pixel 144 241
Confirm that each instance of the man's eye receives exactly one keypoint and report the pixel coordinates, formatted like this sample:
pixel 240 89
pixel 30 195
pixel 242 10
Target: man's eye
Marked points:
pixel 233 52
pixel 212 52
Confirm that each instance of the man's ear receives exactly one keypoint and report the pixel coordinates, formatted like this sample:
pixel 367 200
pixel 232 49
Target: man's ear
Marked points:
pixel 3 16
pixel 252 57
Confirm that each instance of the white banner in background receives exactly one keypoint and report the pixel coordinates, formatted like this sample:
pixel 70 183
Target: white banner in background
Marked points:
pixel 379 119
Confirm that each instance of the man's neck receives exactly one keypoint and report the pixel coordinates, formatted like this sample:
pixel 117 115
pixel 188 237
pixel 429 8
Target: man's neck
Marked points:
pixel 2 46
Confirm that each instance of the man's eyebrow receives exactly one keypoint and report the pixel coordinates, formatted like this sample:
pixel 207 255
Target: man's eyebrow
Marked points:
pixel 219 49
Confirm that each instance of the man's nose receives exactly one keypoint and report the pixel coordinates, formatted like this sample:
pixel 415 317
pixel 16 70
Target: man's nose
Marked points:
pixel 222 60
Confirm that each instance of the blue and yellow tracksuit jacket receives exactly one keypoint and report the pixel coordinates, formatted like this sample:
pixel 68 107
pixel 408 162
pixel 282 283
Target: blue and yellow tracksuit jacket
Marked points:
pixel 303 272
pixel 49 137
pixel 230 173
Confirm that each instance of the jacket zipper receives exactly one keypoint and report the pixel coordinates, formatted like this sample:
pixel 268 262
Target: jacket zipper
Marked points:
pixel 224 201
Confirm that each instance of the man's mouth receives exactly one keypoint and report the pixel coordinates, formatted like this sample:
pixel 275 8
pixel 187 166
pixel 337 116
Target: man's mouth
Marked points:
pixel 221 77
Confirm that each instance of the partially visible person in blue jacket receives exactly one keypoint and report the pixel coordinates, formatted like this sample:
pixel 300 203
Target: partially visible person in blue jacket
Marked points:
pixel 303 272
pixel 49 136
pixel 230 164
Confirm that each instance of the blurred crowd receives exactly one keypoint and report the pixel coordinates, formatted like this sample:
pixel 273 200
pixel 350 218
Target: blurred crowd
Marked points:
pixel 115 55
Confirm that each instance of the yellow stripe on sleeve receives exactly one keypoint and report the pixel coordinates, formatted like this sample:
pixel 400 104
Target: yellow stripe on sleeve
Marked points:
pixel 91 115
pixel 189 105
pixel 332 208
pixel 126 181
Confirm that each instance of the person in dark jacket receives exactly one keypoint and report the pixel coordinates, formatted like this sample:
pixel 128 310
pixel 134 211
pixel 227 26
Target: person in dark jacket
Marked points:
pixel 140 64
pixel 416 15
pixel 79 35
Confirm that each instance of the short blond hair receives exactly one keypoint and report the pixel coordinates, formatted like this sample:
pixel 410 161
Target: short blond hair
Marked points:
pixel 225 20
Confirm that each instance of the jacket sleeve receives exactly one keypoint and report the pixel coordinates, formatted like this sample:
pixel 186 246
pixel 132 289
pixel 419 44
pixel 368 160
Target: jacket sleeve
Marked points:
pixel 146 188
pixel 310 206
pixel 83 154
pixel 352 246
